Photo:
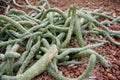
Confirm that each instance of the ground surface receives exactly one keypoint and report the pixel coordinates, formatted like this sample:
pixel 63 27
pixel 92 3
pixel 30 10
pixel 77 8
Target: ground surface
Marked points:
pixel 110 51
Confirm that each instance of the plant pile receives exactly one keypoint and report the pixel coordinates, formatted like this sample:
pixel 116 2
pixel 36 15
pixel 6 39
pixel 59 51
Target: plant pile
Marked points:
pixel 45 32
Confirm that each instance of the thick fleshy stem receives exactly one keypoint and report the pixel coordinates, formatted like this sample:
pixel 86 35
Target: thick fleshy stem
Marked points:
pixel 116 19
pixel 54 39
pixel 9 42
pixel 10 59
pixel 92 19
pixel 67 22
pixel 26 17
pixel 90 67
pixel 5 69
pixel 43 49
pixel 107 35
pixel 37 68
pixel 85 74
pixel 103 15
pixel 54 10
pixel 27 23
pixel 2 57
pixel 61 36
pixel 13 12
pixel 45 43
pixel 78 32
pixel 74 50
pixel 30 56
pixel 14 23
pixel 21 60
pixel 24 54
pixel 2 68
pixel 71 63
pixel 34 8
pixel 58 29
pixel 38 27
pixel 70 31
pixel 88 52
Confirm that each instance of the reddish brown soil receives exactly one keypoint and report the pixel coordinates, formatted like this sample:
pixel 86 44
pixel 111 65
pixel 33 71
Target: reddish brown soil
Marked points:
pixel 2 7
pixel 110 51
pixel 109 5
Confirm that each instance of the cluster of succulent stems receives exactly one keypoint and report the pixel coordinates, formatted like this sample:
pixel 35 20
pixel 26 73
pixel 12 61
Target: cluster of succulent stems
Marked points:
pixel 45 32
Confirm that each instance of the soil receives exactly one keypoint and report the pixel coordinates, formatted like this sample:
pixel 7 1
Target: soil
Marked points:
pixel 110 51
